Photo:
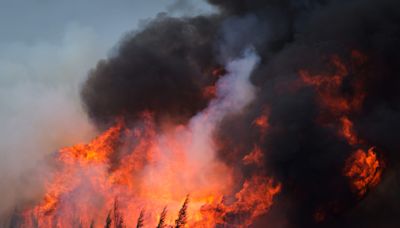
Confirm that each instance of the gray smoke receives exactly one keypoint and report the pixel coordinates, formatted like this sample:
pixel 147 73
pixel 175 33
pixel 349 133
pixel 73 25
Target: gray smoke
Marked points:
pixel 164 67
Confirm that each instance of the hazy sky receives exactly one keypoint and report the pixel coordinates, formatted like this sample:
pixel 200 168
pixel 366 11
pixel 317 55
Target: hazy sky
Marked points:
pixel 46 49
pixel 38 20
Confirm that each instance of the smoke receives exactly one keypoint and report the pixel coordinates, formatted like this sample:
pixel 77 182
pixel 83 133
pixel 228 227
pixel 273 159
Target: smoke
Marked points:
pixel 234 93
pixel 303 154
pixel 164 68
pixel 154 158
pixel 196 152
pixel 40 110
pixel 189 8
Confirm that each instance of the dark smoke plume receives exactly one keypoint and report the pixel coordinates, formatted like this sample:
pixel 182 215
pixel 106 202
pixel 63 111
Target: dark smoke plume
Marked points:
pixel 165 67
pixel 161 69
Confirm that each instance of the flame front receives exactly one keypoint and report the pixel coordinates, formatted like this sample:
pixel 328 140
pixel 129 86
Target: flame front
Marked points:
pixel 152 172
pixel 139 176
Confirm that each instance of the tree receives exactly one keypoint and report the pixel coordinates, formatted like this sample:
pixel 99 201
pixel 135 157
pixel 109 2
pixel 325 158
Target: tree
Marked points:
pixel 108 220
pixel 140 221
pixel 182 217
pixel 161 222
pixel 118 218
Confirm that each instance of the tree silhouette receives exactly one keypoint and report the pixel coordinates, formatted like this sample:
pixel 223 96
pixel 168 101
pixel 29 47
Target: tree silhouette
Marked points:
pixel 182 217
pixel 140 221
pixel 161 222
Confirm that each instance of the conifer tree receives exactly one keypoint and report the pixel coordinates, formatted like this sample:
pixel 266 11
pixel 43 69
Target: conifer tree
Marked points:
pixel 161 222
pixel 140 221
pixel 108 220
pixel 181 221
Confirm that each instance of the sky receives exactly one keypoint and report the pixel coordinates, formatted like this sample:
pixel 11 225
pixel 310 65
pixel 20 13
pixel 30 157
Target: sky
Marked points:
pixel 47 48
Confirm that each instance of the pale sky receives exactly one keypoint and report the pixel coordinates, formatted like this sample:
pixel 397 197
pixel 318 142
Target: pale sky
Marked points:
pixel 38 20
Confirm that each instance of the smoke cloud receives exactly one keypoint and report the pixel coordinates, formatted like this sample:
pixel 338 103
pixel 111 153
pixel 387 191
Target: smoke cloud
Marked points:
pixel 164 67
pixel 40 111
pixel 319 63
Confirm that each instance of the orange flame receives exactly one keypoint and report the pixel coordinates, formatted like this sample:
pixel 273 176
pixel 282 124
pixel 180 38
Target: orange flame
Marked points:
pixel 364 170
pixel 146 170
pixel 254 157
pixel 254 199
pixel 347 131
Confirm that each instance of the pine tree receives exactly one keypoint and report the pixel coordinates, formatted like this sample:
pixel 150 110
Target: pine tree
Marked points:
pixel 108 220
pixel 140 221
pixel 182 217
pixel 163 216
pixel 118 218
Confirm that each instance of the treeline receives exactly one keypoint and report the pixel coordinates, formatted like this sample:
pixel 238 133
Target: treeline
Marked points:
pixel 115 219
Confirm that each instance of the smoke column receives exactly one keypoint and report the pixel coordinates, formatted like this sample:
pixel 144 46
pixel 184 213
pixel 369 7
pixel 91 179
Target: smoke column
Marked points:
pixel 289 36
pixel 320 112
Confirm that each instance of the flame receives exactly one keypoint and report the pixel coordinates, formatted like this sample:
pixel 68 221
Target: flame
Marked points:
pixel 254 157
pixel 88 184
pixel 254 199
pixel 329 86
pixel 347 131
pixel 364 170
pixel 127 176
pixel 262 123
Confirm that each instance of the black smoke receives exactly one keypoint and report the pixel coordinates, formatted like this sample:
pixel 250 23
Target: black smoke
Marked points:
pixel 164 68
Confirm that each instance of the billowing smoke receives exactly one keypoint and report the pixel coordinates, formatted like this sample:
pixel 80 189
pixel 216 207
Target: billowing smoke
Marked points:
pixel 40 111
pixel 323 95
pixel 164 67
pixel 302 152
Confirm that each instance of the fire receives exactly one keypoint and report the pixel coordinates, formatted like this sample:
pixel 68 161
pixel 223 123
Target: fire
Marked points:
pixel 254 157
pixel 364 170
pixel 88 174
pixel 347 130
pixel 329 87
pixel 140 175
pixel 168 175
pixel 88 185
pixel 262 123
pixel 254 199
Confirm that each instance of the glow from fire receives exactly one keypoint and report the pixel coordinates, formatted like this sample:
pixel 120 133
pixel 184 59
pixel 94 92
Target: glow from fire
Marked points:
pixel 364 170
pixel 135 172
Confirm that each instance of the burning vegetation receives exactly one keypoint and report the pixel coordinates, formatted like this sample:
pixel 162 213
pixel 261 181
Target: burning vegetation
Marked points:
pixel 259 115
pixel 138 176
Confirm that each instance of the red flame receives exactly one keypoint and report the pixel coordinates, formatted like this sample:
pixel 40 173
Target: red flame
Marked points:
pixel 254 157
pixel 364 170
pixel 144 170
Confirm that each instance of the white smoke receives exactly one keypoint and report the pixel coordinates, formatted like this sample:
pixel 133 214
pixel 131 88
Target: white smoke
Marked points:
pixel 40 109
pixel 234 92
pixel 187 154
